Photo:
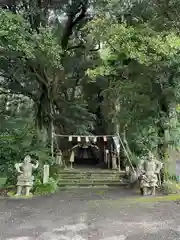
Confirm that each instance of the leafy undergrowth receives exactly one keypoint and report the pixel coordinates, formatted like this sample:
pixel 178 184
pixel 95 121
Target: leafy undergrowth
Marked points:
pixel 4 190
pixel 170 187
pixel 39 189
pixel 45 189
pixel 2 181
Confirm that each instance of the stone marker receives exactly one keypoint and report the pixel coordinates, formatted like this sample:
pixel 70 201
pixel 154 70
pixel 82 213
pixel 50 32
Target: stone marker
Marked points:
pixel 46 174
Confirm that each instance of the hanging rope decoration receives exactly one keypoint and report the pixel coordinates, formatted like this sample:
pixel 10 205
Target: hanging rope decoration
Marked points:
pixel 116 138
pixel 70 138
pixel 105 139
pixel 87 138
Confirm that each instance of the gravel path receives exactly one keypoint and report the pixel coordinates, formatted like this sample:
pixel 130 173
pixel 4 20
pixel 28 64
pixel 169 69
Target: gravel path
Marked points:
pixel 89 214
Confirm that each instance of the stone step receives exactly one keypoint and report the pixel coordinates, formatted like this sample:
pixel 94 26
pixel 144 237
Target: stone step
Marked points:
pixel 89 180
pixel 70 187
pixel 90 172
pixel 91 176
pixel 95 183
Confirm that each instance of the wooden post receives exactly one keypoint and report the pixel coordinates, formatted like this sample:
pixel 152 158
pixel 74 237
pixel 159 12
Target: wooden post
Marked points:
pixel 52 132
pixel 119 162
pixel 108 158
pixel 52 140
pixel 118 152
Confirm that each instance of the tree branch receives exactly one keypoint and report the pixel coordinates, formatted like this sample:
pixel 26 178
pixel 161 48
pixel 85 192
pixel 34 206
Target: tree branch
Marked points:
pixel 17 89
pixel 73 20
pixel 76 47
pixel 84 47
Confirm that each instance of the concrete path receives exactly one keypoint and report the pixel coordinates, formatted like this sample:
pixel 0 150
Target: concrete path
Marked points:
pixel 88 214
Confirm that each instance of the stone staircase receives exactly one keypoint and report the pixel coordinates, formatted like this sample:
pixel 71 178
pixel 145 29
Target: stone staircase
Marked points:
pixel 91 177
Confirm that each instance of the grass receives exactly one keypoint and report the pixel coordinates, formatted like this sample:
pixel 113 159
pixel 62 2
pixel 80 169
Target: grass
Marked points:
pixel 136 200
pixel 12 195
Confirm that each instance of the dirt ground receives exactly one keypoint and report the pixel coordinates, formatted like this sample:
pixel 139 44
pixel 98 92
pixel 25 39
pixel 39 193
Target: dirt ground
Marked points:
pixel 89 214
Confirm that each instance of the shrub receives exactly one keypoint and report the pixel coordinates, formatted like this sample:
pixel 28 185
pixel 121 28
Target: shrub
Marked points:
pixel 55 171
pixel 11 176
pixel 170 187
pixel 174 178
pixel 15 144
pixel 45 189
